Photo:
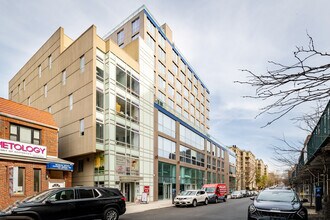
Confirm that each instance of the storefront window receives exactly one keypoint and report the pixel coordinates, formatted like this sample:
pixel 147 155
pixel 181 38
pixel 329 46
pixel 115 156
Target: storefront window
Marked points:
pixel 36 180
pixel 191 178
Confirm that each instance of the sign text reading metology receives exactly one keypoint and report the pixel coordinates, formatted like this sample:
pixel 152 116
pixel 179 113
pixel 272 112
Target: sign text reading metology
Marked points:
pixel 22 149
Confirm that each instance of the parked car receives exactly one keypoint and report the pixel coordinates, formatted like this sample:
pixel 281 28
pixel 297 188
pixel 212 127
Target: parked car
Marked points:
pixel 277 203
pixel 244 193
pixel 216 192
pixel 191 197
pixel 70 203
pixel 236 195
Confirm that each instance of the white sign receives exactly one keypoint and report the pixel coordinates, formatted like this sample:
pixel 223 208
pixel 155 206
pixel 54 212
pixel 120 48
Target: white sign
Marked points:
pixel 22 149
pixel 52 185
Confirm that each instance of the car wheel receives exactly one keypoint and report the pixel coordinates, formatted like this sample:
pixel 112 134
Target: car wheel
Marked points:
pixel 194 203
pixel 216 199
pixel 111 214
pixel 206 202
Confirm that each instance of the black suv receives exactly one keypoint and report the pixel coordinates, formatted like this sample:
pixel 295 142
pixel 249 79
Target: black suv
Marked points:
pixel 277 204
pixel 70 203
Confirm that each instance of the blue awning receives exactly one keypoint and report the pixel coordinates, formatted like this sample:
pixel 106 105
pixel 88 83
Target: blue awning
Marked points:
pixel 59 166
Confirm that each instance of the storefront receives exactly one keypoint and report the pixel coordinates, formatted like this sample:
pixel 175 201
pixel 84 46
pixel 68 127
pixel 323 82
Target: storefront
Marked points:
pixel 166 180
pixel 28 153
pixel 191 178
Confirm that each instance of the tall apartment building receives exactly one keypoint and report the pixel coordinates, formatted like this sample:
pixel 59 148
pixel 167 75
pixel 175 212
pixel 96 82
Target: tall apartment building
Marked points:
pixel 132 111
pixel 262 168
pixel 246 169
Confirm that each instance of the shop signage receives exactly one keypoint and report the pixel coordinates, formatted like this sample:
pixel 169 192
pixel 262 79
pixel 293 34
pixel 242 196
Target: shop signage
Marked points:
pixel 22 149
pixel 146 189
pixel 59 166
pixel 52 185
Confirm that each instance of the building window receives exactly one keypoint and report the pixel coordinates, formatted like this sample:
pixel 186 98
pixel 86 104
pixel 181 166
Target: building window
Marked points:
pixel 174 56
pixel 170 91
pixel 19 88
pixel 127 109
pixel 63 77
pixel 135 26
pixel 24 134
pixel 24 85
pixel 70 102
pixel 127 81
pixel 161 83
pixel 39 71
pixel 99 132
pixel 166 148
pixel 126 136
pixel 161 68
pixel 18 180
pixel 82 127
pixel 175 69
pixel 99 101
pixel 161 55
pixel 166 125
pixel 120 38
pixel 29 101
pixel 170 78
pixel 80 166
pixel 151 28
pixel 151 42
pixel 50 109
pixel 161 40
pixel 45 90
pixel 82 63
pixel 50 61
pixel 36 180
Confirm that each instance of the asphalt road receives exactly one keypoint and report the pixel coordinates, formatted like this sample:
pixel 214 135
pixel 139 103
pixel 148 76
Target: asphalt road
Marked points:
pixel 233 209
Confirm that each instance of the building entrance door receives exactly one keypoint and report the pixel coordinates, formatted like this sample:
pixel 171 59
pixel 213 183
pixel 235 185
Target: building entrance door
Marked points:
pixel 128 191
pixel 167 190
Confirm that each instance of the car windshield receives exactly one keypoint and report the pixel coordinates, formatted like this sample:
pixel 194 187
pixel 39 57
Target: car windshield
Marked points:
pixel 236 192
pixel 277 196
pixel 41 196
pixel 209 189
pixel 189 193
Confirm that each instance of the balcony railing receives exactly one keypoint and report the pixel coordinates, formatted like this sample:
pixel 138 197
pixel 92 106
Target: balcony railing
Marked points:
pixel 320 133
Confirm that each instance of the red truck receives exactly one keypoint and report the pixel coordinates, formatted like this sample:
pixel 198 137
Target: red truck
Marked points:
pixel 216 191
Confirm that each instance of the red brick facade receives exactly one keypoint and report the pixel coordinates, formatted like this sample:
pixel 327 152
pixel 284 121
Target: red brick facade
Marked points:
pixel 49 139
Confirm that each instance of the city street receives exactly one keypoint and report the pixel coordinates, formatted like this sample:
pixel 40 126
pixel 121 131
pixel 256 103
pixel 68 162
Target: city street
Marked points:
pixel 233 209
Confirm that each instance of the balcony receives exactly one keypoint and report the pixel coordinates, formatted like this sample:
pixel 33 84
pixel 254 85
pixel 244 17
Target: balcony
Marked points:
pixel 320 134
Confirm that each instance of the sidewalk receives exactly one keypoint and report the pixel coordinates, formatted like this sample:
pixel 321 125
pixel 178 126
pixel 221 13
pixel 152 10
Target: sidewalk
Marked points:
pixel 312 214
pixel 141 207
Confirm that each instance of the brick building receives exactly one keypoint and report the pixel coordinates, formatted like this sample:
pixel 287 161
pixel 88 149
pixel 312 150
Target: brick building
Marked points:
pixel 29 160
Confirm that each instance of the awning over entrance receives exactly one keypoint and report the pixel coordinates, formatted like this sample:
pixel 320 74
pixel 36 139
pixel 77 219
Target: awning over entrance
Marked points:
pixel 53 163
pixel 56 163
pixel 127 179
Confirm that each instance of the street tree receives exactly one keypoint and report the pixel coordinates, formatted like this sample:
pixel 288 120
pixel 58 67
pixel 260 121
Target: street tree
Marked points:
pixel 289 86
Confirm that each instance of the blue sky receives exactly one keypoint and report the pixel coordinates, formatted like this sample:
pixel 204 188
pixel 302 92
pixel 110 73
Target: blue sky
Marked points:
pixel 218 38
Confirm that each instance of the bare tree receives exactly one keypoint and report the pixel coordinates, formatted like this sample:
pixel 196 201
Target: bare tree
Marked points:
pixel 287 153
pixel 289 86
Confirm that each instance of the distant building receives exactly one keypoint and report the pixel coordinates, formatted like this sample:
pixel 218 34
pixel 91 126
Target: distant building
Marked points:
pixel 29 160
pixel 246 169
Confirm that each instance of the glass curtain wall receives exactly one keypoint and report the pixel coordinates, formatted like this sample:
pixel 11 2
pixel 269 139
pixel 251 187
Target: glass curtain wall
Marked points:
pixel 190 178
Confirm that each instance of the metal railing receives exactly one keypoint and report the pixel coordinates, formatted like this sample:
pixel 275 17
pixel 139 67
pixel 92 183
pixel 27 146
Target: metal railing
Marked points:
pixel 320 133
